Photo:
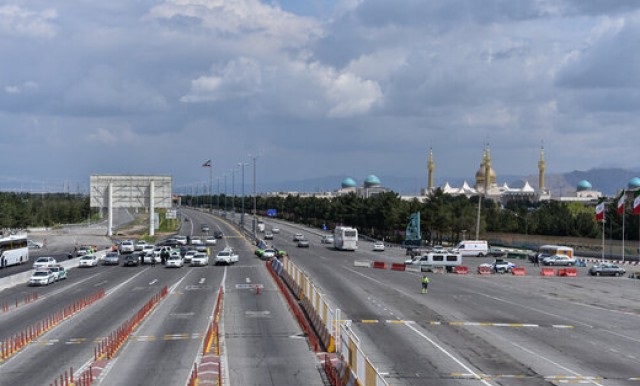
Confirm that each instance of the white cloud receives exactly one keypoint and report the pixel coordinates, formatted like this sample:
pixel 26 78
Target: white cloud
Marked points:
pixel 17 21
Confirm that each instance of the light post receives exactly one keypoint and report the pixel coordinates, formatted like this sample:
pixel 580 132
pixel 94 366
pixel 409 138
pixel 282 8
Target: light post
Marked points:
pixel 225 194
pixel 218 196
pixel 254 199
pixel 233 192
pixel 242 164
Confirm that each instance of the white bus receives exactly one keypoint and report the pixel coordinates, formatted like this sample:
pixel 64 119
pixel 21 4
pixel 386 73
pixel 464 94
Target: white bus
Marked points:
pixel 13 250
pixel 345 238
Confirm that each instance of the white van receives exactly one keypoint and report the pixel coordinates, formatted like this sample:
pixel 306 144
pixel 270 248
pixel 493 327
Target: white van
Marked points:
pixel 478 248
pixel 431 260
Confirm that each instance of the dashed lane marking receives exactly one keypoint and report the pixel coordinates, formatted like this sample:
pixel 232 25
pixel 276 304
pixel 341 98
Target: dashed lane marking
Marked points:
pixel 133 338
pixel 464 323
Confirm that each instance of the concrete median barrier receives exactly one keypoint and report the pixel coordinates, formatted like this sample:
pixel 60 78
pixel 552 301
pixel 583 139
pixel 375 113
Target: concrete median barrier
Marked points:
pixel 547 272
pixel 362 263
pixel 461 270
pixel 518 271
pixel 379 265
pixel 482 270
pixel 398 267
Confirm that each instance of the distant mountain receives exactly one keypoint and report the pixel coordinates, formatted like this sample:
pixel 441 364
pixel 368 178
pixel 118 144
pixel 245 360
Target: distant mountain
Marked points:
pixel 608 181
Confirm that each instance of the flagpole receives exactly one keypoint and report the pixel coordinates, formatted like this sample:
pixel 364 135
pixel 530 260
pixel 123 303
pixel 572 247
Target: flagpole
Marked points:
pixel 602 240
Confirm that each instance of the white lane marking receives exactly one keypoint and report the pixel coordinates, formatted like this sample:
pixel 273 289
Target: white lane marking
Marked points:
pixel 154 281
pixel 447 353
pixel 247 280
pixel 544 358
pixel 202 280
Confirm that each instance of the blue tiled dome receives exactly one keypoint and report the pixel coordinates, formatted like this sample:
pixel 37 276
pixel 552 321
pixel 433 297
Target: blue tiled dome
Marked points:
pixel 634 183
pixel 584 185
pixel 348 183
pixel 371 180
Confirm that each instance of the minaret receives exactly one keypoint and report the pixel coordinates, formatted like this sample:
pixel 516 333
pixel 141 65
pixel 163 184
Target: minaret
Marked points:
pixel 487 170
pixel 430 167
pixel 541 167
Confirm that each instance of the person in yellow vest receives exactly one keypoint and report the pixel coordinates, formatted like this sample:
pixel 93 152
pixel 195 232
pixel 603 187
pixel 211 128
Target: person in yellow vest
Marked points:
pixel 425 284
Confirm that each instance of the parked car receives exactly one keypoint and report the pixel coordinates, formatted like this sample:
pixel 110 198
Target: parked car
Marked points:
pixel 42 277
pixel 502 266
pixel 34 244
pixel 111 258
pixel 378 246
pixel 59 272
pixel 131 260
pixel 298 237
pixel 44 262
pixel 559 260
pixel 174 261
pixel 140 244
pixel 606 269
pixel 303 243
pixel 200 259
pixel 88 261
pixel 268 235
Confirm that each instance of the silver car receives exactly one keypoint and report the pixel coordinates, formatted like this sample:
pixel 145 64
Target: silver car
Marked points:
pixel 605 269
pixel 42 277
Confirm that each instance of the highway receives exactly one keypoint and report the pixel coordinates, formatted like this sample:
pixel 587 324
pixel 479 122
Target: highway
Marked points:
pixel 478 330
pixel 262 343
pixel 468 330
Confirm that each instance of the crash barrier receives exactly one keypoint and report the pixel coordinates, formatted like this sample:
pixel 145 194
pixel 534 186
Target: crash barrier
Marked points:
pixel 109 346
pixel 518 271
pixel 569 272
pixel 547 272
pixel 26 299
pixel 461 269
pixel 436 269
pixel 483 270
pixel 398 267
pixel 11 345
pixel 412 268
pixel 362 263
pixel 335 334
pixel 380 265
pixel 295 308
pixel 208 371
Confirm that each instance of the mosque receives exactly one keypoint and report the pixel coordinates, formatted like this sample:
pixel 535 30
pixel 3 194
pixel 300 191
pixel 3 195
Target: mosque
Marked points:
pixel 371 186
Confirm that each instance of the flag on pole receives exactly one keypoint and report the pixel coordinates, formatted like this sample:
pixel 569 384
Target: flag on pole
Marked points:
pixel 621 200
pixel 636 203
pixel 600 210
pixel 207 164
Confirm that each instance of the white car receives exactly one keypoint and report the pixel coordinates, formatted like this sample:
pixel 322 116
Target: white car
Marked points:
pixel 210 240
pixel 44 262
pixel 182 240
pixel 227 256
pixel 174 260
pixel 275 230
pixel 298 237
pixel 42 277
pixel 195 240
pixel 88 261
pixel 268 253
pixel 188 256
pixel 378 246
pixel 200 259
pixel 59 272
pixel 126 246
pixel 34 244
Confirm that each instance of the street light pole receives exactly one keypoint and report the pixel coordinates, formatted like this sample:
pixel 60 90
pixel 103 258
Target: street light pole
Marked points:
pixel 254 198
pixel 242 215
pixel 225 194
pixel 478 218
pixel 233 192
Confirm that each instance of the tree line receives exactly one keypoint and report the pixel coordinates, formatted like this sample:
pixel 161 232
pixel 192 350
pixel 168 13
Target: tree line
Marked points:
pixel 23 210
pixel 443 217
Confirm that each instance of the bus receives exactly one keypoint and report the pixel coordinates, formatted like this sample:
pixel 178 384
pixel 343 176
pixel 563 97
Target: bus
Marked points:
pixel 13 250
pixel 345 238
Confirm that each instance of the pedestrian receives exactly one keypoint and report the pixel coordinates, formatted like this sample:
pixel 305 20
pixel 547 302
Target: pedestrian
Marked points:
pixel 536 260
pixel 425 284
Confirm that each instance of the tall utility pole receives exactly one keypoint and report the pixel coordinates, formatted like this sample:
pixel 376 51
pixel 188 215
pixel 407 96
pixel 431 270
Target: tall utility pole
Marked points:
pixel 242 215
pixel 218 196
pixel 233 191
pixel 255 220
pixel 225 194
pixel 478 218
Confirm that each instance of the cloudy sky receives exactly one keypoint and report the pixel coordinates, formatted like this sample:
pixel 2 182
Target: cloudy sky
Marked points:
pixel 315 87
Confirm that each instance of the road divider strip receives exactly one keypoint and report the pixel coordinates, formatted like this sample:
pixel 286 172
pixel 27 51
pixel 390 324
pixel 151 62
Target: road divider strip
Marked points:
pixel 11 345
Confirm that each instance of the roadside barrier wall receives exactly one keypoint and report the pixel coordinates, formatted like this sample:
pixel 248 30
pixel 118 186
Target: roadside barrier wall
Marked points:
pixel 547 272
pixel 518 271
pixel 336 334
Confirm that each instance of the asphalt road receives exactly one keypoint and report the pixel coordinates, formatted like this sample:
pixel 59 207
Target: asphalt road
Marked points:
pixel 472 329
pixel 261 345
